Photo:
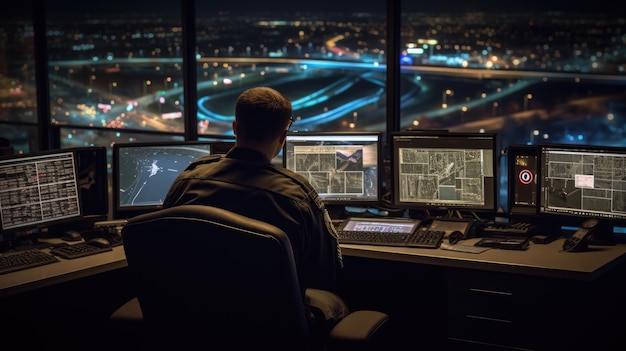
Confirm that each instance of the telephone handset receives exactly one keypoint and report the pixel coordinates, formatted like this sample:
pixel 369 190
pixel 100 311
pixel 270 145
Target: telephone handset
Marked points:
pixel 578 241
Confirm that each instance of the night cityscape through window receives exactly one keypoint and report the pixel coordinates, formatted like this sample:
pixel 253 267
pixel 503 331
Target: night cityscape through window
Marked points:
pixel 531 75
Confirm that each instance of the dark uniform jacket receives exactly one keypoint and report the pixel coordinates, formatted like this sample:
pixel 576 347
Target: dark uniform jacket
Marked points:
pixel 244 181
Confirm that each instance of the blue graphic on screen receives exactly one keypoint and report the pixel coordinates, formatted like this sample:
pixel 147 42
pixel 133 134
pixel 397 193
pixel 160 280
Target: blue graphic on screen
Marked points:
pixel 146 173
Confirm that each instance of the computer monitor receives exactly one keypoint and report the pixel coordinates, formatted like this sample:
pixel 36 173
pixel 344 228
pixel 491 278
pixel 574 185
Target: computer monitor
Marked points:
pixel 439 171
pixel 142 173
pixel 221 144
pixel 221 147
pixel 42 191
pixel 523 182
pixel 579 182
pixel 344 167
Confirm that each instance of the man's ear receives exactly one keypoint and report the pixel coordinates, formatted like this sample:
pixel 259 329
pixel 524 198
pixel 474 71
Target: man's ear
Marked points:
pixel 234 127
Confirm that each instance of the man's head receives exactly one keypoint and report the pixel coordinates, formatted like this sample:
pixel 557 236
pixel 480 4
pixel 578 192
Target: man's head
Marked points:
pixel 262 118
pixel 262 114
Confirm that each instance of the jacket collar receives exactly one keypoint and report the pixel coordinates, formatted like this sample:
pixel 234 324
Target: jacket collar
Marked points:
pixel 246 154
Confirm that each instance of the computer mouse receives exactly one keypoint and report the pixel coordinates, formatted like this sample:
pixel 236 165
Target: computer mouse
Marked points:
pixel 71 235
pixel 455 237
pixel 99 242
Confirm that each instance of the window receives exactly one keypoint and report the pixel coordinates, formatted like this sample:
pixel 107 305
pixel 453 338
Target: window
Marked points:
pixel 330 61
pixel 18 90
pixel 533 73
pixel 115 65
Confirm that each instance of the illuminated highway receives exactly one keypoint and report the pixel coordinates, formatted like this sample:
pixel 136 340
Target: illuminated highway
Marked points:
pixel 322 93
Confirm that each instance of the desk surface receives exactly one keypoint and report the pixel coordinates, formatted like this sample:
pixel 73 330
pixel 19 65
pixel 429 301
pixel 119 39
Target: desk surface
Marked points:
pixel 548 260
pixel 59 272
pixel 539 260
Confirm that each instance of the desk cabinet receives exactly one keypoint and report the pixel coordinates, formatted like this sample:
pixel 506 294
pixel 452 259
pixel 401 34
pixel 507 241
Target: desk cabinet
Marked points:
pixel 503 311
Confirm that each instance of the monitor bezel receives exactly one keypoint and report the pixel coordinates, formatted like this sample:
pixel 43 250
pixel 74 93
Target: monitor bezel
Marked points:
pixel 334 203
pixel 572 219
pixel 100 161
pixel 11 236
pixel 126 212
pixel 488 210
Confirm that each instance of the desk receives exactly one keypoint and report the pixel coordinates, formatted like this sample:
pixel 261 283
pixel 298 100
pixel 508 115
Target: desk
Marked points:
pixel 524 289
pixel 544 260
pixel 63 304
pixel 538 299
pixel 64 271
pixel 539 260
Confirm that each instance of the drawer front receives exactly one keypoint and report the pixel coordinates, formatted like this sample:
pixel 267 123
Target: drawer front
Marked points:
pixel 479 329
pixel 456 344
pixel 487 309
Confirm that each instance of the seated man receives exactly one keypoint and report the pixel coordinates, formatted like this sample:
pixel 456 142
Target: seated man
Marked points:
pixel 245 181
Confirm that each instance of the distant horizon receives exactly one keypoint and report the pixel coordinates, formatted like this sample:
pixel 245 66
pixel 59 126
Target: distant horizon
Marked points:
pixel 324 6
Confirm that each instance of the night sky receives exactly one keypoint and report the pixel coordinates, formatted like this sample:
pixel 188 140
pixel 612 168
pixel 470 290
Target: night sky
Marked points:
pixel 9 9
pixel 421 6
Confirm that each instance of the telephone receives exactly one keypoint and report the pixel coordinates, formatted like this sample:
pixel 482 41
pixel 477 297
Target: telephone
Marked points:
pixel 579 240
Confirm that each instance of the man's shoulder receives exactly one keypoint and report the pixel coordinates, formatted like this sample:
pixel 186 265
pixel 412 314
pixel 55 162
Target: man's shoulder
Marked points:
pixel 204 160
pixel 307 188
pixel 298 178
pixel 208 158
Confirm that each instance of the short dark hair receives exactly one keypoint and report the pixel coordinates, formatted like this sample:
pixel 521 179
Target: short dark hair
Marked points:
pixel 262 113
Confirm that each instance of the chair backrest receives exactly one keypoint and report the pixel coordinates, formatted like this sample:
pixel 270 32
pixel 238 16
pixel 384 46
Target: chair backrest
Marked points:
pixel 215 276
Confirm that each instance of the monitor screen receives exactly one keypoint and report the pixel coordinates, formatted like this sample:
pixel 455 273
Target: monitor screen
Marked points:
pixel 37 190
pixel 523 181
pixel 142 173
pixel 44 193
pixel 439 170
pixel 581 181
pixel 344 167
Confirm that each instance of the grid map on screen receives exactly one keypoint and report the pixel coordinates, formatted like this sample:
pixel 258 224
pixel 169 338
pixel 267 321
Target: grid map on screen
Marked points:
pixel 444 170
pixel 583 181
pixel 343 167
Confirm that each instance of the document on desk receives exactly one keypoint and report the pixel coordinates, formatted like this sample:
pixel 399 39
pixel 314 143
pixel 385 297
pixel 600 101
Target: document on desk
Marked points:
pixel 463 248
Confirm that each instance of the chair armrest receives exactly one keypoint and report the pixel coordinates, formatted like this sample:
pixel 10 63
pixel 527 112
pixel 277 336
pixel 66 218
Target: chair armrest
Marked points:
pixel 358 326
pixel 130 312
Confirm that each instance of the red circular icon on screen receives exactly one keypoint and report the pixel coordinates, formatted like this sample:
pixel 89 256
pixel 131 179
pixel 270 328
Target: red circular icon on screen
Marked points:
pixel 526 177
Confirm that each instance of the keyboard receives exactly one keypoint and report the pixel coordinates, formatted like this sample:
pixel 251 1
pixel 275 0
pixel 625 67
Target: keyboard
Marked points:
pixel 71 252
pixel 373 238
pixel 19 260
pixel 426 238
pixel 376 231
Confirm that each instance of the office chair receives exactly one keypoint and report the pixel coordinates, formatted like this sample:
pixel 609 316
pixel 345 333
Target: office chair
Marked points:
pixel 207 276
